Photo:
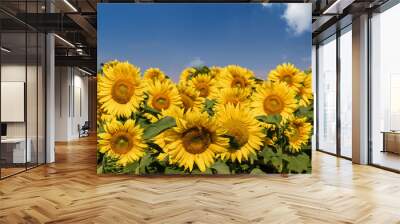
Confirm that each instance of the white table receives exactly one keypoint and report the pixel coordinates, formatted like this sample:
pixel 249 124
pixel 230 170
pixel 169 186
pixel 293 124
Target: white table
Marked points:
pixel 19 154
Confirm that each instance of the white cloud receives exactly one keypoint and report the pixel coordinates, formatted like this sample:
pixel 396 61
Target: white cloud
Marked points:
pixel 266 5
pixel 298 17
pixel 196 62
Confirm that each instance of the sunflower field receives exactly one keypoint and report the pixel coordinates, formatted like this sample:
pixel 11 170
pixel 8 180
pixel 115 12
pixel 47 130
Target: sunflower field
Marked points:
pixel 215 120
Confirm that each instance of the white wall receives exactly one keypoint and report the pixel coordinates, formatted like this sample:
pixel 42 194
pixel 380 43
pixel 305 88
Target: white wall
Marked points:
pixel 33 127
pixel 16 73
pixel 70 84
pixel 61 103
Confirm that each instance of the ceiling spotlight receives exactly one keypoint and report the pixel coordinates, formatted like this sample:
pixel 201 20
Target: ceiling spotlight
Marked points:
pixel 64 40
pixel 5 50
pixel 84 71
pixel 70 5
pixel 337 7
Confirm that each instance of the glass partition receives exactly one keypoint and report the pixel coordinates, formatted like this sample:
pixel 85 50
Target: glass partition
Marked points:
pixel 327 95
pixel 346 92
pixel 31 97
pixel 385 89
pixel 14 155
pixel 22 77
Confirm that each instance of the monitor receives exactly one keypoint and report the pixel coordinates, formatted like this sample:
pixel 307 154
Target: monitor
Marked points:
pixel 3 129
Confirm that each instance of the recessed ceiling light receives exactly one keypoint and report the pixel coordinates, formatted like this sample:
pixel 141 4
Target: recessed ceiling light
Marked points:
pixel 5 50
pixel 64 40
pixel 84 71
pixel 70 5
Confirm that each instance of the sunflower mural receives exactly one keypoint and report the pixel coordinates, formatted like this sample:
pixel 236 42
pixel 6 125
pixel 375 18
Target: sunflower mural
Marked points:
pixel 217 120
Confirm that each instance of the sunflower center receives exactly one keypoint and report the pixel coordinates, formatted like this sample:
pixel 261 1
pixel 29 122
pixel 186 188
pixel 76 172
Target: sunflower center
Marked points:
pixel 287 78
pixel 154 75
pixel 239 82
pixel 196 140
pixel 121 143
pixel 122 91
pixel 202 87
pixel 273 104
pixel 233 100
pixel 239 132
pixel 160 102
pixel 294 134
pixel 187 101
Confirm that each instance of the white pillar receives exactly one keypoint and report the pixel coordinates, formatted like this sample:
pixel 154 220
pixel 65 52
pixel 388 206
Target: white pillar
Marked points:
pixel 50 92
pixel 360 89
pixel 50 99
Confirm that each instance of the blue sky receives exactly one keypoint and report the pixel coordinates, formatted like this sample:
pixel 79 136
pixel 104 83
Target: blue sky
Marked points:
pixel 174 36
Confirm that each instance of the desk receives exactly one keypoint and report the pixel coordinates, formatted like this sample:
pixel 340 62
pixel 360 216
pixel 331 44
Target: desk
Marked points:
pixel 391 141
pixel 18 149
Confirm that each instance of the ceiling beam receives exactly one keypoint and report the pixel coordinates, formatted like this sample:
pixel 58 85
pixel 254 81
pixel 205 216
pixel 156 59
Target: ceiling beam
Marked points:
pixel 77 61
pixel 83 23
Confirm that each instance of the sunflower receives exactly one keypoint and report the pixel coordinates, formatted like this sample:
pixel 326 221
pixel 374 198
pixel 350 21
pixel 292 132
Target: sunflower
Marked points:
pixel 110 64
pixel 215 72
pixel 274 99
pixel 123 141
pixel 234 76
pixel 305 92
pixel 191 99
pixel 175 112
pixel 204 84
pixel 240 124
pixel 152 74
pixel 120 90
pixel 289 74
pixel 233 96
pixel 298 133
pixel 186 74
pixel 196 139
pixel 163 95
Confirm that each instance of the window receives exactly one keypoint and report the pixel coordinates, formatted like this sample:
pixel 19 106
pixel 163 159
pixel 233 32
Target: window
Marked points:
pixel 22 77
pixel 327 95
pixel 385 89
pixel 346 92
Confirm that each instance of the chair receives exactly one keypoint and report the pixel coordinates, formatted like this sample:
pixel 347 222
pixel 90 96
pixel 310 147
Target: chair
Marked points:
pixel 84 130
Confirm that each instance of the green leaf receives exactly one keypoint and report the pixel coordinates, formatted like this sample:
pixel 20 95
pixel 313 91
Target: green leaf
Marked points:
pixel 298 163
pixel 257 171
pixel 143 123
pixel 150 110
pixel 155 146
pixel 275 158
pixel 99 169
pixel 305 112
pixel 132 168
pixel 144 162
pixel 221 167
pixel 156 128
pixel 110 165
pixel 208 106
pixel 244 166
pixel 271 119
pixel 170 170
pixel 196 171
pixel 252 158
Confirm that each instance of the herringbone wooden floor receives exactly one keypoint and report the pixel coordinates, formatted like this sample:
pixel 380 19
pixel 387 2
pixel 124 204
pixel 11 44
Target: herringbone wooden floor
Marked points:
pixel 69 191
